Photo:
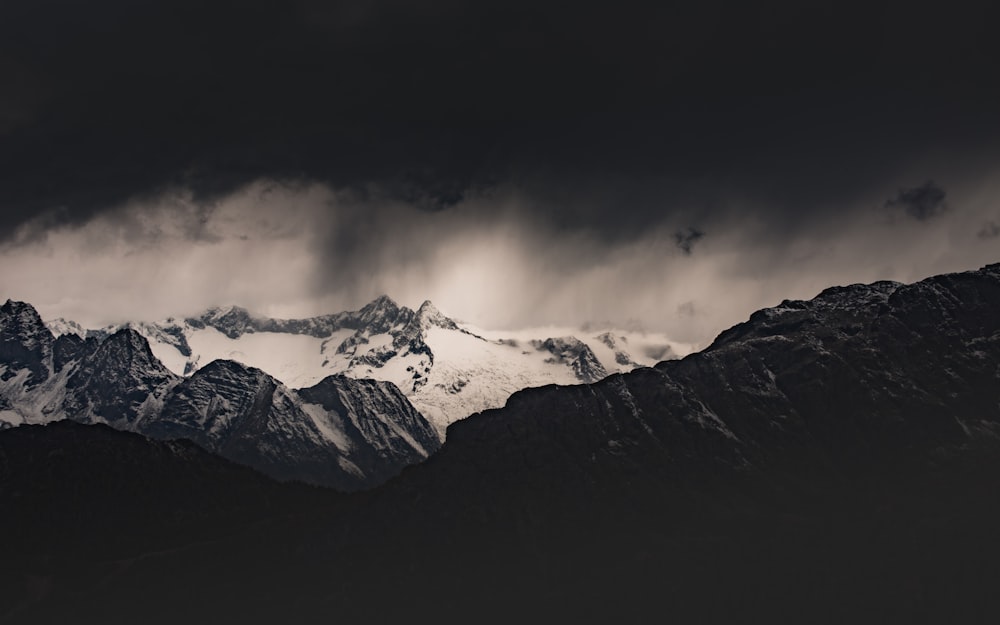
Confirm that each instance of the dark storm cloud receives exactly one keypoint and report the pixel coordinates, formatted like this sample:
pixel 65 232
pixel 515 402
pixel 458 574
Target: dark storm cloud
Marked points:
pixel 990 230
pixel 686 309
pixel 598 111
pixel 921 203
pixel 686 239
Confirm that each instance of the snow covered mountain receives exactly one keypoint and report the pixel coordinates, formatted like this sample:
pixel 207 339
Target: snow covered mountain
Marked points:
pixel 341 432
pixel 448 370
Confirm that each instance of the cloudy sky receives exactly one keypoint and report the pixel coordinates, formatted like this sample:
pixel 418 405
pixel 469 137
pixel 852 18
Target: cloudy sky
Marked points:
pixel 674 166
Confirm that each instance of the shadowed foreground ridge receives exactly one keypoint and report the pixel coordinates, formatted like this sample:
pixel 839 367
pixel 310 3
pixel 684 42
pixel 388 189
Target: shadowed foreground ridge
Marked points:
pixel 834 460
pixel 857 377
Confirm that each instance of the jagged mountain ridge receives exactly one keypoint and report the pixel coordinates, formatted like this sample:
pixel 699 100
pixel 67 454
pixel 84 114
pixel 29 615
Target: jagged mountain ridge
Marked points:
pixel 25 342
pixel 448 370
pixel 364 436
pixel 850 376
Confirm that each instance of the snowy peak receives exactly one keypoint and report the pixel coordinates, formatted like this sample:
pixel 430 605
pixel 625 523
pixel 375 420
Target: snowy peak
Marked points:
pixel 21 311
pixel 118 383
pixel 21 321
pixel 219 397
pixel 220 313
pixel 168 333
pixel 575 353
pixel 223 368
pixel 377 413
pixel 384 330
pixel 382 314
pixel 429 316
pixel 382 302
pixel 130 351
pixel 129 342
pixel 25 342
pixel 378 316
pixel 61 327
pixel 617 344
pixel 232 321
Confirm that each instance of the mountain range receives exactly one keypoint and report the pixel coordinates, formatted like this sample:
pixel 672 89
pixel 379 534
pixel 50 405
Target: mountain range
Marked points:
pixel 370 378
pixel 826 461
pixel 340 432
pixel 447 369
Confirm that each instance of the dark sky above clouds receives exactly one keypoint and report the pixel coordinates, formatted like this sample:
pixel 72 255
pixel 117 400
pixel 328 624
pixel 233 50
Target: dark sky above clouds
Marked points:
pixel 675 163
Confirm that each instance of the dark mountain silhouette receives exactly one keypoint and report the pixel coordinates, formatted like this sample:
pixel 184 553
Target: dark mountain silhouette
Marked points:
pixel 84 504
pixel 828 461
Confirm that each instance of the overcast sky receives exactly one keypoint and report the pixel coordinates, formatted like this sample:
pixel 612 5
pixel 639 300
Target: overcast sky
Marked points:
pixel 675 166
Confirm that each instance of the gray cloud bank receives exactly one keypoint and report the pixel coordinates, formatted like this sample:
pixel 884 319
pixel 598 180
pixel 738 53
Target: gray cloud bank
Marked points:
pixel 921 203
pixel 493 260
pixel 517 163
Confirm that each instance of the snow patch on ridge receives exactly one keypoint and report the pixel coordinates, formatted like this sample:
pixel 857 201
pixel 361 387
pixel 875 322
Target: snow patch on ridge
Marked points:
pixel 329 424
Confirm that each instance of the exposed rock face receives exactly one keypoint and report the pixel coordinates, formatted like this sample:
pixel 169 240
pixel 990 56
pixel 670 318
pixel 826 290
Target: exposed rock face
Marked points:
pixel 383 443
pixel 245 415
pixel 118 382
pixel 378 316
pixel 25 343
pixel 407 331
pixel 224 398
pixel 576 354
pixel 343 433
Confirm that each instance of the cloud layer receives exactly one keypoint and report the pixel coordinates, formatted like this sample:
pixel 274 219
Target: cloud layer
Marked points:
pixel 674 164
pixel 493 260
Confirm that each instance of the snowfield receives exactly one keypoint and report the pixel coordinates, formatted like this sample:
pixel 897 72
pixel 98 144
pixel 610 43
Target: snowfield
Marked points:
pixel 447 369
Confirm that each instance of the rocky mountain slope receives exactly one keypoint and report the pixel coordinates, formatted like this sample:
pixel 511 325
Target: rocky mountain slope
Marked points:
pixel 858 376
pixel 447 370
pixel 342 432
